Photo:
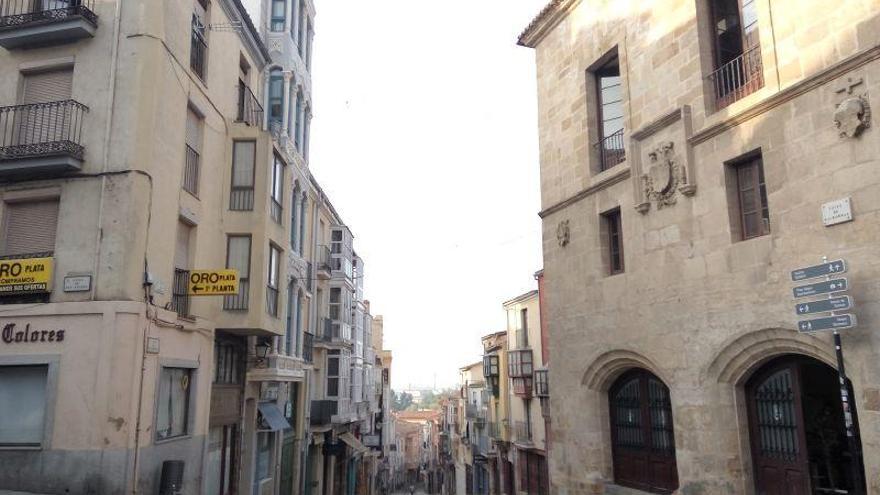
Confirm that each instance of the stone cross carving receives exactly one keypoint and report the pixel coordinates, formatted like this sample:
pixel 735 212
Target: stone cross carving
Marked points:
pixel 853 114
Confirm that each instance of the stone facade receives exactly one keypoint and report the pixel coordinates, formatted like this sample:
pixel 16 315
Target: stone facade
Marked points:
pixel 696 305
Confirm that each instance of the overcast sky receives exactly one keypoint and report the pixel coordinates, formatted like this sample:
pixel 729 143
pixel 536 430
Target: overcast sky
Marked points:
pixel 424 136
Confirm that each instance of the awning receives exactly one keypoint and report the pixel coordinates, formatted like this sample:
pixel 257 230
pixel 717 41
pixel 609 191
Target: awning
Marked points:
pixel 273 416
pixel 354 443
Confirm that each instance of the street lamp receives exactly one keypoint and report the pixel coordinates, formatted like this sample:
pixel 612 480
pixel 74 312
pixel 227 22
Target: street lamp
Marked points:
pixel 261 350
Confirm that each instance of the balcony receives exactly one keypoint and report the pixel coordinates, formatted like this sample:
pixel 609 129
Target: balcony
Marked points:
pixel 498 431
pixel 277 368
pixel 41 138
pixel 611 150
pixel 324 263
pixel 323 412
pixel 33 23
pixel 520 363
pixel 522 432
pixel 250 112
pixel 180 298
pixel 522 387
pixel 738 78
pixel 542 383
pixel 239 302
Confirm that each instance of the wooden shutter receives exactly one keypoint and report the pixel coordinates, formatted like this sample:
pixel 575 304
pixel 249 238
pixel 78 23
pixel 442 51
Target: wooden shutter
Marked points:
pixel 181 251
pixel 30 227
pixel 42 87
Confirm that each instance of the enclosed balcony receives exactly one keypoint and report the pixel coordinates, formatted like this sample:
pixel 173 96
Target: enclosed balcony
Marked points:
pixel 519 362
pixel 41 138
pixel 34 23
pixel 542 383
pixel 277 368
pixel 323 263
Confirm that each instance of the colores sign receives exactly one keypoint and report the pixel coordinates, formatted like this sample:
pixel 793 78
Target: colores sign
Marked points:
pixel 17 335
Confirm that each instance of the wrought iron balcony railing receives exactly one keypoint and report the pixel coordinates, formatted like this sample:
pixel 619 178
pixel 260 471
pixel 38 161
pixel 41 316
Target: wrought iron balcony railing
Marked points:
pixel 42 129
pixel 191 168
pixel 239 302
pixel 198 55
pixel 611 150
pixel 180 299
pixel 522 431
pixel 250 111
pixel 20 13
pixel 738 78
pixel 308 347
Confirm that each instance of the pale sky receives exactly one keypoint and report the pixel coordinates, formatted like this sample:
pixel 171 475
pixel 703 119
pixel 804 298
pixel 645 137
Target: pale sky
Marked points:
pixel 425 138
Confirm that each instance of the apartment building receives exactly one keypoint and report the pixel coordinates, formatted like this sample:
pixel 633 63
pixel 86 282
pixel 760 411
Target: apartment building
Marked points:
pixel 115 377
pixel 694 154
pixel 501 474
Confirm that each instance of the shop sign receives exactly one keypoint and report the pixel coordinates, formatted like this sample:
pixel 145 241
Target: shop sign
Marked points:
pixel 213 283
pixel 25 276
pixel 18 335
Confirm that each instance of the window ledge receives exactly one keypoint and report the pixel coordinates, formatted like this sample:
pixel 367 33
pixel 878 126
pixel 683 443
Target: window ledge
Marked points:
pixel 163 441
pixel 20 447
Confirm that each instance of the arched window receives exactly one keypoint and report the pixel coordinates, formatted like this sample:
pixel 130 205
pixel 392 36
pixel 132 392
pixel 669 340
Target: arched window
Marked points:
pixel 302 223
pixel 276 97
pixel 294 228
pixel 297 136
pixel 642 434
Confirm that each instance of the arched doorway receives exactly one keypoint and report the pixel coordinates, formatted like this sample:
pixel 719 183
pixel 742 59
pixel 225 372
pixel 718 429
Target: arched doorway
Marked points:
pixel 642 439
pixel 798 439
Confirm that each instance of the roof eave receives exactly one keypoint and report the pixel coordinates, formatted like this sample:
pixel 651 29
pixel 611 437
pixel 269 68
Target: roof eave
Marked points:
pixel 545 21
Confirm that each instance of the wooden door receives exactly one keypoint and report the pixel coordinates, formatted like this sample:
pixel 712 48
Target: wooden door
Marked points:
pixel 778 437
pixel 643 443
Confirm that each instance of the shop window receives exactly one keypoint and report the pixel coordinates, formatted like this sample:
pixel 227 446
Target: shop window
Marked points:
pixel 172 412
pixel 22 405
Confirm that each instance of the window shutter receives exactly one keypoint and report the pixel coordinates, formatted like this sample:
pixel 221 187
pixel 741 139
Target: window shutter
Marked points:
pixel 181 251
pixel 243 163
pixel 42 87
pixel 193 130
pixel 30 227
pixel 239 255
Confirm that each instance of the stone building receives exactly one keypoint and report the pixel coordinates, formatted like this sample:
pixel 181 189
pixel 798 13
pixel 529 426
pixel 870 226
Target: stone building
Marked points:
pixel 687 150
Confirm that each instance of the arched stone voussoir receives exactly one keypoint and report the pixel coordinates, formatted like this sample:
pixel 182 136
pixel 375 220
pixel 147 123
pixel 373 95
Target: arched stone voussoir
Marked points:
pixel 607 366
pixel 741 355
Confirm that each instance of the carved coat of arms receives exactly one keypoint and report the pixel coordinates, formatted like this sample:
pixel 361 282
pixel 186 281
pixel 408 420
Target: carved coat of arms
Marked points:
pixel 563 233
pixel 663 175
pixel 852 116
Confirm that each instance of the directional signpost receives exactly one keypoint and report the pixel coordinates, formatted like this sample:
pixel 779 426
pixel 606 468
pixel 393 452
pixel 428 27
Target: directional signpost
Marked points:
pixel 213 283
pixel 830 321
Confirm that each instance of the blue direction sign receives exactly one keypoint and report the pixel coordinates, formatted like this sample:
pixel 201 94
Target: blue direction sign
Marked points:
pixel 841 303
pixel 837 322
pixel 826 287
pixel 835 267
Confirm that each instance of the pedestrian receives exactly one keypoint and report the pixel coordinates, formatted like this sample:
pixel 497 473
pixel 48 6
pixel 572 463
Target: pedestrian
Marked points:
pixel 412 489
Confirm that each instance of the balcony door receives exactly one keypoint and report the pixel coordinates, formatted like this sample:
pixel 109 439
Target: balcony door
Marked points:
pixel 44 117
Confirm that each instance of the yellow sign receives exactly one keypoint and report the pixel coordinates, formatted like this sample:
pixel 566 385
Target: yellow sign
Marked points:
pixel 26 276
pixel 213 283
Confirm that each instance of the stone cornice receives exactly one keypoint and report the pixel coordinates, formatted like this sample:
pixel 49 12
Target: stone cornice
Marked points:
pixel 619 176
pixel 547 19
pixel 784 96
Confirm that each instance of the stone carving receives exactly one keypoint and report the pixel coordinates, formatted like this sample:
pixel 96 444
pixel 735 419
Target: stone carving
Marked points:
pixel 853 114
pixel 663 177
pixel 563 233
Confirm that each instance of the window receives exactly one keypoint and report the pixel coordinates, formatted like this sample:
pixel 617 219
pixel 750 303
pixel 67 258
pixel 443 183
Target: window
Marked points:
pixel 274 275
pixel 751 191
pixel 298 129
pixel 172 413
pixel 302 224
pixel 241 195
pixel 642 433
pixel 522 332
pixel 294 228
pixel 613 239
pixel 293 320
pixel 277 189
pixel 736 49
pixel 238 258
pixel 228 361
pixel 22 405
pixel 333 373
pixel 275 104
pixel 303 27
pixel 198 55
pixel 29 227
pixel 180 299
pixel 278 15
pixel 609 97
pixel 192 153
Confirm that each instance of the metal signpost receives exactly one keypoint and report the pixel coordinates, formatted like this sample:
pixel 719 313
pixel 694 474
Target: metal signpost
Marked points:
pixel 834 322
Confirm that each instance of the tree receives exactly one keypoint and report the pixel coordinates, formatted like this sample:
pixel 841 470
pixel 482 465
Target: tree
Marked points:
pixel 401 401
